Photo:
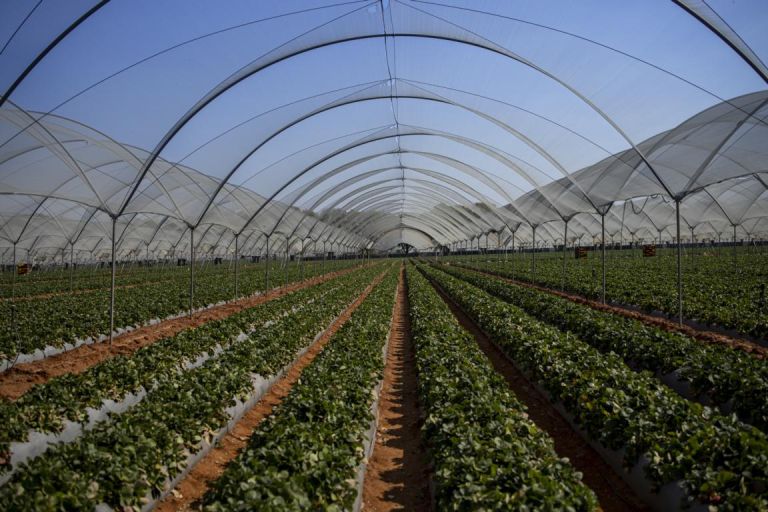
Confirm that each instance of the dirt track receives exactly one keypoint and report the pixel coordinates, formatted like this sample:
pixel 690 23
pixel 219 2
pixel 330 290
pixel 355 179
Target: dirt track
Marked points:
pixel 397 475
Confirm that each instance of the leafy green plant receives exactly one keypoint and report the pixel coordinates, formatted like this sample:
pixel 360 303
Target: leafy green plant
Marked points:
pixel 120 461
pixel 718 374
pixel 488 454
pixel 306 454
pixel 719 460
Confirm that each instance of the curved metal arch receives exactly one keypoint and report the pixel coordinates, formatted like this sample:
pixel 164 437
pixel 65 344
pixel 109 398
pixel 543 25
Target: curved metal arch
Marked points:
pixel 365 198
pixel 464 213
pixel 381 235
pixel 67 159
pixel 413 223
pixel 337 104
pixel 317 200
pixel 423 186
pixel 318 162
pixel 459 166
pixel 758 67
pixel 382 206
pixel 48 50
pixel 447 193
pixel 481 176
pixel 385 205
pixel 449 225
pixel 235 79
pixel 104 141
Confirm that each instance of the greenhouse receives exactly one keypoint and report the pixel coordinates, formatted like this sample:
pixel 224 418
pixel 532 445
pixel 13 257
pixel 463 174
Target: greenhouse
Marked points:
pixel 384 255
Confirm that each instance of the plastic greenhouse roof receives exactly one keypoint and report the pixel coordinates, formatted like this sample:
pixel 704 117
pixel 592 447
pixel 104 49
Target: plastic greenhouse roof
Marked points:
pixel 369 123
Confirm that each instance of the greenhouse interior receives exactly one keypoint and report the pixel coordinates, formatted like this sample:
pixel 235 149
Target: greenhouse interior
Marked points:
pixel 420 255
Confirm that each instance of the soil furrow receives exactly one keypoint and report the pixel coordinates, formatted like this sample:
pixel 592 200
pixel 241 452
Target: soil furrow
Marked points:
pixel 397 474
pixel 16 381
pixel 188 493
pixel 612 492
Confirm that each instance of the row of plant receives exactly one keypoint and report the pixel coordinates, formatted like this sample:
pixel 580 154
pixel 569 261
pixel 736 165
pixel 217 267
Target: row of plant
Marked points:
pixel 717 460
pixel 45 407
pixel 717 290
pixel 717 374
pixel 487 453
pixel 307 454
pixel 124 462
pixel 29 325
pixel 62 280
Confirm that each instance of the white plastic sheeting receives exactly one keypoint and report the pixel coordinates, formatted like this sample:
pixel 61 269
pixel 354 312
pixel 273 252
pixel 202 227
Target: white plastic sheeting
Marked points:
pixel 371 123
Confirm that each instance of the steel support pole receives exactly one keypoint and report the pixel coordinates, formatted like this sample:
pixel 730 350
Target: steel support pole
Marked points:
pixel 301 262
pixel 533 257
pixel 679 265
pixel 14 270
pixel 13 274
pixel 565 243
pixel 191 270
pixel 325 253
pixel 734 247
pixel 266 269
pixel 287 258
pixel 602 242
pixel 112 286
pixel 237 261
pixel 513 255
pixel 71 265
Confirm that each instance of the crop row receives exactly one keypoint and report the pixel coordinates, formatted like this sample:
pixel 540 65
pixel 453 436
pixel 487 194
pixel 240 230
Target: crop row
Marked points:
pixel 124 461
pixel 716 373
pixel 307 454
pixel 74 397
pixel 61 280
pixel 716 291
pixel 38 323
pixel 487 453
pixel 716 460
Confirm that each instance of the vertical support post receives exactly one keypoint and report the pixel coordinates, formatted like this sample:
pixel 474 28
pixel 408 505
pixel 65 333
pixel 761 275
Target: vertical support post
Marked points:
pixel 13 274
pixel 71 265
pixel 14 270
pixel 191 270
pixel 112 286
pixel 237 260
pixel 266 269
pixel 533 256
pixel 565 244
pixel 513 255
pixel 734 247
pixel 602 248
pixel 287 259
pixel 325 253
pixel 679 265
pixel 301 262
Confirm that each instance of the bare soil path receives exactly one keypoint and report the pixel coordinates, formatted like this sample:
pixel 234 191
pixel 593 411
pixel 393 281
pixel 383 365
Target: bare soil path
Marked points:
pixel 742 344
pixel 16 381
pixel 612 492
pixel 397 474
pixel 188 493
